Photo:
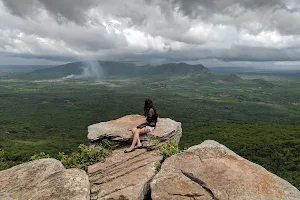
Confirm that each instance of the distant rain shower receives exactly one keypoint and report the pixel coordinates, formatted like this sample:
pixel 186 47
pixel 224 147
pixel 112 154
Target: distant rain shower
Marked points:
pixel 90 71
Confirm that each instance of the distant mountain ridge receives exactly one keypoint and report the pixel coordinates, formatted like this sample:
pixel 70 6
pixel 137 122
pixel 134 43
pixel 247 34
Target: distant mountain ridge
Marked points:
pixel 113 68
pixel 101 70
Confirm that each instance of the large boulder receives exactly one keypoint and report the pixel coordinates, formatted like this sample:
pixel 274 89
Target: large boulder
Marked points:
pixel 119 130
pixel 44 179
pixel 212 171
pixel 123 175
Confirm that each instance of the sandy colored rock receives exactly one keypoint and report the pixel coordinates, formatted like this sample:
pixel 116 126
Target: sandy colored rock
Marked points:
pixel 212 171
pixel 123 174
pixel 119 130
pixel 44 179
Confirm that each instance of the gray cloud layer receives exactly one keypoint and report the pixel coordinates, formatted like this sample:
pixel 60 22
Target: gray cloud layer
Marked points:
pixel 225 30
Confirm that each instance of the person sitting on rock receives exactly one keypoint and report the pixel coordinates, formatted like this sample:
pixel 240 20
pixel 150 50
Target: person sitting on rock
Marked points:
pixel 149 125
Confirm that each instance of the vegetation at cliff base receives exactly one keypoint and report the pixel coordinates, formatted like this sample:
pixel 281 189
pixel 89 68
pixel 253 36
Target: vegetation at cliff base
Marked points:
pixel 83 157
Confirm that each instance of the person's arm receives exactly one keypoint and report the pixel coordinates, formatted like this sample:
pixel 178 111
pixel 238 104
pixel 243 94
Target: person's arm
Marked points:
pixel 151 112
pixel 151 116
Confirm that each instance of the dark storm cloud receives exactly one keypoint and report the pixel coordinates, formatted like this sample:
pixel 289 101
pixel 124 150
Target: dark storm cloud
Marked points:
pixel 236 53
pixel 276 15
pixel 259 54
pixel 227 30
pixel 73 10
pixel 62 10
pixel 195 8
pixel 21 9
pixel 52 58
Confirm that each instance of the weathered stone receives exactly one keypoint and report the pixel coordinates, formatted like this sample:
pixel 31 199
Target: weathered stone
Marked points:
pixel 123 174
pixel 119 130
pixel 212 171
pixel 44 179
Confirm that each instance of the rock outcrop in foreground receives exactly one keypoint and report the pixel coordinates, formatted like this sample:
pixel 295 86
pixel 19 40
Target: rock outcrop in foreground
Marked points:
pixel 119 130
pixel 126 175
pixel 203 172
pixel 212 171
pixel 44 179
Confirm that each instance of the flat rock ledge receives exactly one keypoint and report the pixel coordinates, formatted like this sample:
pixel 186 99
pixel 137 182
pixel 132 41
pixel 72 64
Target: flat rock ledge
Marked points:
pixel 212 171
pixel 44 179
pixel 123 175
pixel 119 131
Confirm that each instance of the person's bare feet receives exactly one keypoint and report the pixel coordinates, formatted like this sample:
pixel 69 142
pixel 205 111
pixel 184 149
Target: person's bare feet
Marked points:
pixel 138 146
pixel 129 150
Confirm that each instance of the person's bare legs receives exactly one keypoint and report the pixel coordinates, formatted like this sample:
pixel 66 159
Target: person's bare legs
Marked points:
pixel 136 137
pixel 134 130
pixel 138 144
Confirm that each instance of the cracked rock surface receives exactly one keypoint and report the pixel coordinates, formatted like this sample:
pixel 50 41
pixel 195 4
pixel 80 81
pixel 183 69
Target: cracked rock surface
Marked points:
pixel 123 175
pixel 44 179
pixel 212 171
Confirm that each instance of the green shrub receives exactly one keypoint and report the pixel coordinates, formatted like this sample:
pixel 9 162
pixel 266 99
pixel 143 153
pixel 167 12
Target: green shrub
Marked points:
pixel 39 156
pixel 157 165
pixel 82 158
pixel 2 155
pixel 167 148
pixel 3 164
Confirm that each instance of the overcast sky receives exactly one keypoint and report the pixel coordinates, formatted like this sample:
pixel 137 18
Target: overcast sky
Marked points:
pixel 212 32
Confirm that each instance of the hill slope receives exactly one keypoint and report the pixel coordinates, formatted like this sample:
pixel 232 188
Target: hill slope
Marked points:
pixel 103 69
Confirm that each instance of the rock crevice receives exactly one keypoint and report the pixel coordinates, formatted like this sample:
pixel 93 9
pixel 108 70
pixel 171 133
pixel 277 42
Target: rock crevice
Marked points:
pixel 201 183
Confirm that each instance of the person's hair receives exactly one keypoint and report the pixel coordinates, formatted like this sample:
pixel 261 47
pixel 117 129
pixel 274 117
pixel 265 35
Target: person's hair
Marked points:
pixel 148 105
